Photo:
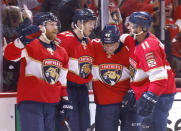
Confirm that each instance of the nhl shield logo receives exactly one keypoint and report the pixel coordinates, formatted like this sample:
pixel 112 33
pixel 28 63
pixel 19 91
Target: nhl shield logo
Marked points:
pixel 85 66
pixel 51 70
pixel 110 73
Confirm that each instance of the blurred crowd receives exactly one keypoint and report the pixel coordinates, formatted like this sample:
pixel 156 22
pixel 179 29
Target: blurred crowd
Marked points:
pixel 18 14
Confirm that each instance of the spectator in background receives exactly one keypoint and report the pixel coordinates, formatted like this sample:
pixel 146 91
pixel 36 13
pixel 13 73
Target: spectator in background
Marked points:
pixel 33 5
pixel 14 20
pixel 11 19
pixel 177 16
pixel 129 6
pixel 176 48
pixel 63 9
pixel 93 4
pixel 115 15
pixel 176 53
pixel 170 22
pixel 9 3
pixel 171 29
pixel 155 29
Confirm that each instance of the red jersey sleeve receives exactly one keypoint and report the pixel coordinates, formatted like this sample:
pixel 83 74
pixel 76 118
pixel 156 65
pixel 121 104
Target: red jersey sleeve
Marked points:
pixel 152 60
pixel 64 72
pixel 12 52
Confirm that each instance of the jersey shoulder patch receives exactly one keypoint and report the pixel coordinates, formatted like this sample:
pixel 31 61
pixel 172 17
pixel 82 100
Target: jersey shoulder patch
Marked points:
pixel 150 59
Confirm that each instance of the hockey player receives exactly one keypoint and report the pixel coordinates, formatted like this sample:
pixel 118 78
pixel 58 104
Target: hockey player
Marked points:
pixel 111 81
pixel 43 73
pixel 152 79
pixel 79 49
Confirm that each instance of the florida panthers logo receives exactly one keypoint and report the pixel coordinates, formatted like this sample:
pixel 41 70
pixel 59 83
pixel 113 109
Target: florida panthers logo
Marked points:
pixel 110 73
pixel 85 66
pixel 51 70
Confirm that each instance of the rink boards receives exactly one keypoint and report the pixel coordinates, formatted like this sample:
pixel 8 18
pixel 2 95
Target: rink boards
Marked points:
pixel 9 116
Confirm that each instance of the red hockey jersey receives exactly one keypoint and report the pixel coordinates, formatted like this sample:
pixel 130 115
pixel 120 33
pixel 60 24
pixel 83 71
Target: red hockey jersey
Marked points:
pixel 149 68
pixel 80 57
pixel 42 74
pixel 111 76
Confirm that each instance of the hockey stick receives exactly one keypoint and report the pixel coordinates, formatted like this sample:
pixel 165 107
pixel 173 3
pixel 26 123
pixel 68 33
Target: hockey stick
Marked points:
pixel 67 125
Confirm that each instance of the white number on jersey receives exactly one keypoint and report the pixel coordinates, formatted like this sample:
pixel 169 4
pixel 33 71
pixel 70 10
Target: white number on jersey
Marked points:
pixel 145 45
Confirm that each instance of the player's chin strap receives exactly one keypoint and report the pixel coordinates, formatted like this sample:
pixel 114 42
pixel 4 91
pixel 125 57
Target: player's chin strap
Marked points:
pixel 81 30
pixel 136 34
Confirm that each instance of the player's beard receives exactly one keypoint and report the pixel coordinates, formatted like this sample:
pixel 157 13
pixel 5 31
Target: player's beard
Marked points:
pixel 51 35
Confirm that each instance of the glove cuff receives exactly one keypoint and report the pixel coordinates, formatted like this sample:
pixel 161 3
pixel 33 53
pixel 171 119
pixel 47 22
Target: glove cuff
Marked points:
pixel 65 98
pixel 151 97
pixel 130 90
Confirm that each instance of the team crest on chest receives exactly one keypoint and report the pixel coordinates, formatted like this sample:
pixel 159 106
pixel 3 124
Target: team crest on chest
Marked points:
pixel 51 70
pixel 110 73
pixel 85 66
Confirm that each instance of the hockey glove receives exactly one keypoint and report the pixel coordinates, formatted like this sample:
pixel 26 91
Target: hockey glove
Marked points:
pixel 129 101
pixel 146 103
pixel 64 108
pixel 29 33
